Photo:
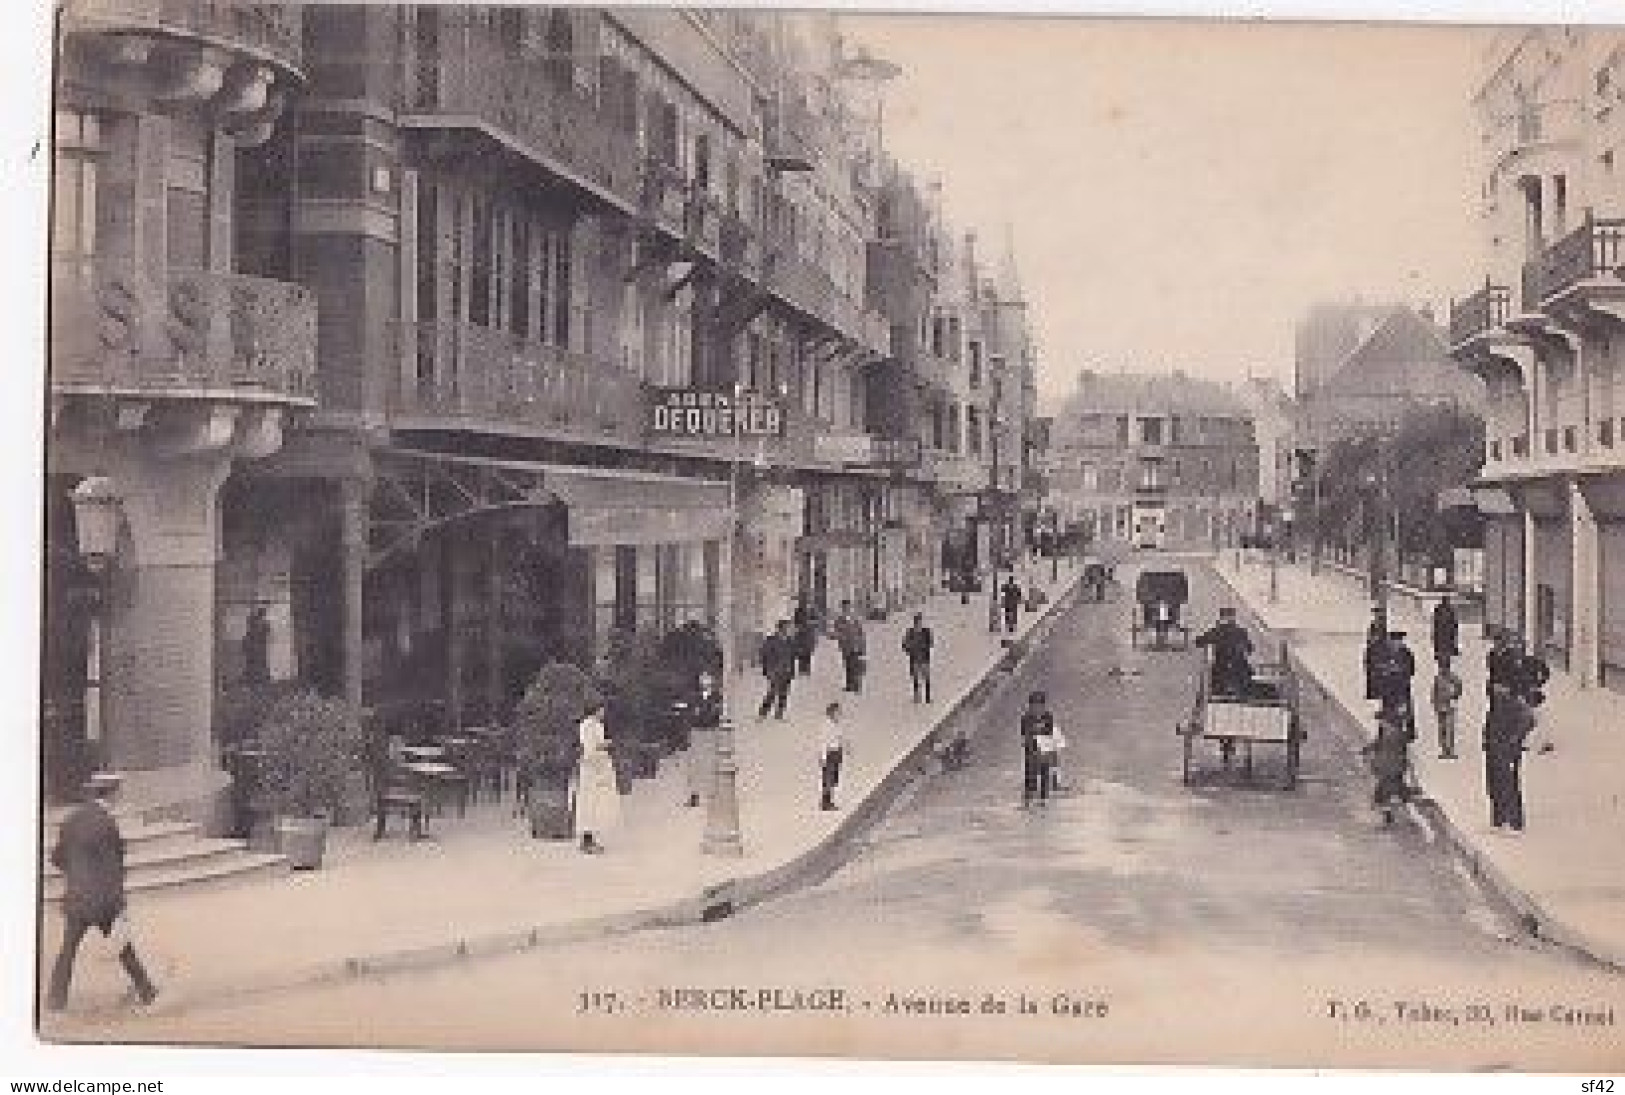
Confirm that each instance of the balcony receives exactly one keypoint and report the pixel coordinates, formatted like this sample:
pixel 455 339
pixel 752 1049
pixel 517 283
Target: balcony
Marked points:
pixel 660 196
pixel 702 223
pixel 535 111
pixel 269 32
pixel 1590 257
pixel 740 247
pixel 202 335
pixel 1480 313
pixel 492 381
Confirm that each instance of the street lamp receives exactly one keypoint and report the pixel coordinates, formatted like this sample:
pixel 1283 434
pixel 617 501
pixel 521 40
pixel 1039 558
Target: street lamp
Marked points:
pixel 722 829
pixel 96 511
pixel 995 510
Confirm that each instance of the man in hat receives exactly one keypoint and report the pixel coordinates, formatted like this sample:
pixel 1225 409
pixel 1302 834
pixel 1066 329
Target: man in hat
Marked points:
pixel 89 852
pixel 1395 670
pixel 1446 633
pixel 1232 671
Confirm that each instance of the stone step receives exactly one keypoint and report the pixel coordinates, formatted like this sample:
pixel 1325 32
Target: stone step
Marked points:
pixel 173 862
pixel 138 836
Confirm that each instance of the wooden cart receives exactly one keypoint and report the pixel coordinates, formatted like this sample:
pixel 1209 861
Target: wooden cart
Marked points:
pixel 1160 597
pixel 1267 714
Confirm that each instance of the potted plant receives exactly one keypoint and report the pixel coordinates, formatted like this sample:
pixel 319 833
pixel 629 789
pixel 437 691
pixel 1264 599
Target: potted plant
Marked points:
pixel 546 743
pixel 638 704
pixel 309 746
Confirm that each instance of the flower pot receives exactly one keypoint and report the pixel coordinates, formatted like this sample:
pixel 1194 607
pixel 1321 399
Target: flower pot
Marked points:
pixel 303 840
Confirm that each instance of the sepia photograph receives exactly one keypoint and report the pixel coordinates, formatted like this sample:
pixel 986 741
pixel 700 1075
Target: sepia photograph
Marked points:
pixel 751 532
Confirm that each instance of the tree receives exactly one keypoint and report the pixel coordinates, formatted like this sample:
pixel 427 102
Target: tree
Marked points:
pixel 1430 448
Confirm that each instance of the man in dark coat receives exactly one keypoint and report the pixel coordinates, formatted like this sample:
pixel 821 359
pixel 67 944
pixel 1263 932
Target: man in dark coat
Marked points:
pixel 90 854
pixel 1232 671
pixel 1507 727
pixel 1376 640
pixel 1010 597
pixel 1395 672
pixel 805 623
pixel 1446 632
pixel 778 660
pixel 1037 750
pixel 848 632
pixel 917 642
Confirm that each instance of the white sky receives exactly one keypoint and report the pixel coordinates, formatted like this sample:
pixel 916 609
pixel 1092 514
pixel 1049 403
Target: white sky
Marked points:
pixel 1181 192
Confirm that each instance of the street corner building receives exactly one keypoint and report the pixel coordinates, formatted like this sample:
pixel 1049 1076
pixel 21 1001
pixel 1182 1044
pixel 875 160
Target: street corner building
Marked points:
pixel 398 351
pixel 1545 333
pixel 1154 461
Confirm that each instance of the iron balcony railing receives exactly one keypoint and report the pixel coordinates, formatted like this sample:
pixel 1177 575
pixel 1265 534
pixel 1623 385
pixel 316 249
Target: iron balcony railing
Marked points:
pixel 198 333
pixel 1479 313
pixel 1594 251
pixel 271 31
pixel 461 372
pixel 538 105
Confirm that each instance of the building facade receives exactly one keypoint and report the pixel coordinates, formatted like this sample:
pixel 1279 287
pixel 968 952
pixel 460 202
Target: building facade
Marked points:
pixel 445 341
pixel 1544 335
pixel 1183 450
pixel 1359 368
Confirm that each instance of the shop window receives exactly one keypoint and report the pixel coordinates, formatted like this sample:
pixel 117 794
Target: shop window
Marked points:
pixel 1151 431
pixel 1605 433
pixel 1551 440
pixel 1570 439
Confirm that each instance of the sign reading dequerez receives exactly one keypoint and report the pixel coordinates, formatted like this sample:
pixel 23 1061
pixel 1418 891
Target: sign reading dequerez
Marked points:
pixel 699 412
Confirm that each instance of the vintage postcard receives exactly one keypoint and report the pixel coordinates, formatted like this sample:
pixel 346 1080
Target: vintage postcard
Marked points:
pixel 768 532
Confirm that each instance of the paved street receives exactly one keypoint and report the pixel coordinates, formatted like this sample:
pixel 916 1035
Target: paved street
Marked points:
pixel 1215 924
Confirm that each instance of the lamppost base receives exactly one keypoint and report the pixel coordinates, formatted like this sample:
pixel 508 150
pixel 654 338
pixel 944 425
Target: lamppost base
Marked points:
pixel 722 835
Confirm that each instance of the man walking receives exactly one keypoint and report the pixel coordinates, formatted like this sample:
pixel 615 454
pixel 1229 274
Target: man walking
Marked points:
pixel 1446 632
pixel 1037 750
pixel 90 854
pixel 831 751
pixel 849 637
pixel 1010 599
pixel 917 642
pixel 778 659
pixel 1507 727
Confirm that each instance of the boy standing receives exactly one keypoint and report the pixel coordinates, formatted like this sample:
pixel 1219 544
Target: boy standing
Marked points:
pixel 831 751
pixel 1446 696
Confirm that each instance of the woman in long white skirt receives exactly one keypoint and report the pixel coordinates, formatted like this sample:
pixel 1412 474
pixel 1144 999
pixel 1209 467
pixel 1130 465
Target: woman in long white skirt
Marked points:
pixel 597 797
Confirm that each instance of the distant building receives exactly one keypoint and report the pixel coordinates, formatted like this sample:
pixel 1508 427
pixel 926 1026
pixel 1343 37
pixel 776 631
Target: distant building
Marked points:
pixel 1358 367
pixel 1123 444
pixel 1274 422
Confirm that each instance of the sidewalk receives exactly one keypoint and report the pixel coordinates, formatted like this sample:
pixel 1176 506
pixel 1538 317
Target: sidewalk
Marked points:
pixel 482 885
pixel 1566 873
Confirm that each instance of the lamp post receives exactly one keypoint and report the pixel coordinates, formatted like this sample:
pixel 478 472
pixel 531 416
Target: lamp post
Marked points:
pixel 722 829
pixel 995 510
pixel 96 524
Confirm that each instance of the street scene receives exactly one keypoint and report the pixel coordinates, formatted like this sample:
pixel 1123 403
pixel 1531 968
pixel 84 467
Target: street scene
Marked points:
pixel 706 532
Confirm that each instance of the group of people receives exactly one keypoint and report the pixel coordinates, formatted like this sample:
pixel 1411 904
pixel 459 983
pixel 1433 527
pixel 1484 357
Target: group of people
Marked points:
pixel 1514 683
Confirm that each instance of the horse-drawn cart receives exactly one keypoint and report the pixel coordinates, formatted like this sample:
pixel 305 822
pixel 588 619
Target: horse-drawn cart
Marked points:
pixel 1160 597
pixel 1264 713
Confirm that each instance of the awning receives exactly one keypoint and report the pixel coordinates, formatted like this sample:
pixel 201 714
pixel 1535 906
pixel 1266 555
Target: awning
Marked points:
pixel 1456 497
pixel 1494 502
pixel 609 508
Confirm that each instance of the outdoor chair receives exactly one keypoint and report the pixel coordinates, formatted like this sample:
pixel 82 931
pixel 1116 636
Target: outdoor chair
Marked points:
pixel 396 791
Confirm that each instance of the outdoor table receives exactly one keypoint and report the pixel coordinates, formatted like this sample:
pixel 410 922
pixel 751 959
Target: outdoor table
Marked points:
pixel 423 753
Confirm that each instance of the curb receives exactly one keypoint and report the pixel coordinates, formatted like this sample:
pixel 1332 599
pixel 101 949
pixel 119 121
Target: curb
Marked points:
pixel 714 902
pixel 1532 919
